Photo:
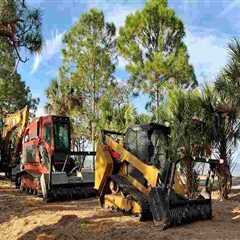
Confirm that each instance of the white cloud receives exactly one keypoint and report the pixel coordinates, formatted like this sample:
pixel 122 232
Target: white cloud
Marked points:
pixel 40 112
pixel 116 12
pixel 51 47
pixel 36 63
pixel 232 5
pixel 122 63
pixel 121 81
pixel 208 52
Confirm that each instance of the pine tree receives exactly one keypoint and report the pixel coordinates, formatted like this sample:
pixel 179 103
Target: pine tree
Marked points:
pixel 20 26
pixel 88 67
pixel 152 42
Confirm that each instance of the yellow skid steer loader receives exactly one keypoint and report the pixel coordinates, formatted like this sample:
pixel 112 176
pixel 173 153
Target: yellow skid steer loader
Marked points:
pixel 134 174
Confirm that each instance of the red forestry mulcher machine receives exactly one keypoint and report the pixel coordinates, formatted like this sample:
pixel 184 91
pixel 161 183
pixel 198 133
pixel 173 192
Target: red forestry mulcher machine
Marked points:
pixel 48 166
pixel 44 163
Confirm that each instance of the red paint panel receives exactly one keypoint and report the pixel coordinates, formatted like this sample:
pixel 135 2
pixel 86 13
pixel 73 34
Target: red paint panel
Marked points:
pixel 36 168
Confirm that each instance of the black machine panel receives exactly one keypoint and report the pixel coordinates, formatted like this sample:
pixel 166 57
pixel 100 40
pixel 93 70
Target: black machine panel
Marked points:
pixel 148 143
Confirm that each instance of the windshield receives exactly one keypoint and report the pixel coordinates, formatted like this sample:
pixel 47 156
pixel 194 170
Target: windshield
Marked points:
pixel 61 136
pixel 159 142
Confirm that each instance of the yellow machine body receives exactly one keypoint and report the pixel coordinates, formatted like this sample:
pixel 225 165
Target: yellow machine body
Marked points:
pixel 16 122
pixel 104 169
pixel 128 181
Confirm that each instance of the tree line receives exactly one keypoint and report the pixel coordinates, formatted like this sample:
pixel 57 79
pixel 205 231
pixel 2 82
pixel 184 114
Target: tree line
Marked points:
pixel 151 41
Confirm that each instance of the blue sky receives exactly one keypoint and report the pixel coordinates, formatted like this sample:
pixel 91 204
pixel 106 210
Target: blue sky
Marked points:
pixel 209 25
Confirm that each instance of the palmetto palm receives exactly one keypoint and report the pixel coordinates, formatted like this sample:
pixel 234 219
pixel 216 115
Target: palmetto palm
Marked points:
pixel 179 111
pixel 222 131
pixel 228 82
pixel 217 127
pixel 228 88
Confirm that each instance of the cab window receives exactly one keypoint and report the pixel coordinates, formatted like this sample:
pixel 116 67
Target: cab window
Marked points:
pixel 47 133
pixel 61 136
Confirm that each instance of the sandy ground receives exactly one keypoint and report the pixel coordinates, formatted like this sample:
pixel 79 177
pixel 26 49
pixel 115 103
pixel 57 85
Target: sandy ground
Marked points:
pixel 26 217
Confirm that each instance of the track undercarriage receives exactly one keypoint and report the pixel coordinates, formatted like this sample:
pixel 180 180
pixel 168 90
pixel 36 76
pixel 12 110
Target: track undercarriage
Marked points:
pixel 155 205
pixel 33 184
pixel 126 198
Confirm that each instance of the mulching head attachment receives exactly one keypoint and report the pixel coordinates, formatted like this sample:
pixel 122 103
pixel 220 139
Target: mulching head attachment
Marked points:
pixel 69 192
pixel 169 210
